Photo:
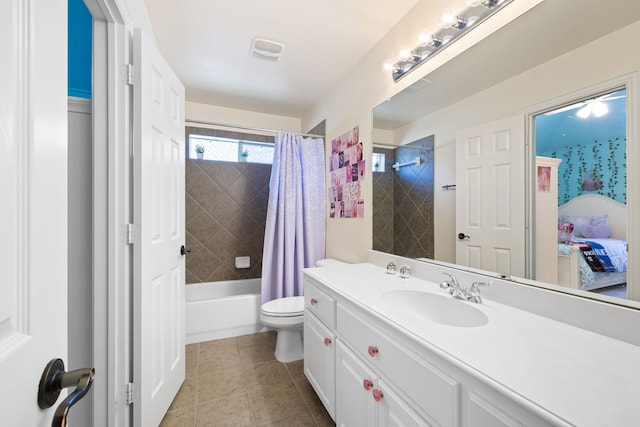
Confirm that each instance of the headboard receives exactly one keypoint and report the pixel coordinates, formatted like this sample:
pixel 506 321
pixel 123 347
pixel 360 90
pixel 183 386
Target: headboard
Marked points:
pixel 596 204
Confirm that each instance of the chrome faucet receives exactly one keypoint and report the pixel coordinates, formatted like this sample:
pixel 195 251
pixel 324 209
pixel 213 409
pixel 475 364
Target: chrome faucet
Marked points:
pixel 460 292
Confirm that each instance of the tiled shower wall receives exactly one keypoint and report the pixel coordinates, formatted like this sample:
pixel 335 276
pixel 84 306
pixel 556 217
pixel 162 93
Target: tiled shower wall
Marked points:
pixel 403 202
pixel 226 209
pixel 383 204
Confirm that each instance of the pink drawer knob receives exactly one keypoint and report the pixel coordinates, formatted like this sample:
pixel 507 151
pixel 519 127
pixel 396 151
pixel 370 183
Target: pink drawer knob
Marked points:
pixel 377 395
pixel 373 350
pixel 367 384
pixel 327 342
pixel 314 301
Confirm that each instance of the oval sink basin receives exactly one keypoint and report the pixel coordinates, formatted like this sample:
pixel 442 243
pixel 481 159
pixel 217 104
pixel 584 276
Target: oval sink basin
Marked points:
pixel 443 309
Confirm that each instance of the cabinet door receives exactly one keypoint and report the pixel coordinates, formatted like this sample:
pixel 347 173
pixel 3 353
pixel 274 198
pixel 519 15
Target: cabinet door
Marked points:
pixel 491 410
pixel 392 411
pixel 355 405
pixel 319 360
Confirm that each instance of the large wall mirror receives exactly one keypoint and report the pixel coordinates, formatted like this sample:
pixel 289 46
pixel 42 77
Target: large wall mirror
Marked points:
pixel 556 69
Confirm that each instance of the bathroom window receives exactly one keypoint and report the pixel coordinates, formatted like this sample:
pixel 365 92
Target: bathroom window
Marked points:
pixel 378 162
pixel 229 149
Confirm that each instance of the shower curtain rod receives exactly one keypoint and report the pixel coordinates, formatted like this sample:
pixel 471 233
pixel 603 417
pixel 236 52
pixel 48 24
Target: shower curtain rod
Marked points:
pixel 201 122
pixel 393 147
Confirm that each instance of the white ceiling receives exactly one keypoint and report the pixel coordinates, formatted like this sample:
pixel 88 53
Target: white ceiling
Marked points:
pixel 207 43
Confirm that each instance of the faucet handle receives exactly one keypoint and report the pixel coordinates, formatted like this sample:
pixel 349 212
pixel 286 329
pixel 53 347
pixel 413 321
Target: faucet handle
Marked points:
pixel 405 272
pixel 475 285
pixel 448 283
pixel 474 292
pixel 391 267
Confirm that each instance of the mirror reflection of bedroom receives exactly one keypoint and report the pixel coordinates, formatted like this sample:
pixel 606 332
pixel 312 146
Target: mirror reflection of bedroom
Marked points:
pixel 581 195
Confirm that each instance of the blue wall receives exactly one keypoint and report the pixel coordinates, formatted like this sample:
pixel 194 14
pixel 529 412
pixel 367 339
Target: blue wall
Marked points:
pixel 606 159
pixel 79 50
pixel 589 148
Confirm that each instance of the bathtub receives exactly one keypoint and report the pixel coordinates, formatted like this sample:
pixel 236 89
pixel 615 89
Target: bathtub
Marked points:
pixel 225 309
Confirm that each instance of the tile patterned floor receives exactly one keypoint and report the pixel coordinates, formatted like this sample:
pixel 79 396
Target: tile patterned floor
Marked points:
pixel 237 382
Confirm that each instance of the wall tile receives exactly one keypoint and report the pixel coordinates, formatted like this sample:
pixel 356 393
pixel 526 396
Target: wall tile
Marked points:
pixel 226 208
pixel 403 202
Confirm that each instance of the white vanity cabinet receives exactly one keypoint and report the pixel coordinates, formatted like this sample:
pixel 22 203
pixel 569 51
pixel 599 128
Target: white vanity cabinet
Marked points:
pixel 409 388
pixel 363 399
pixel 401 340
pixel 320 344
pixel 367 371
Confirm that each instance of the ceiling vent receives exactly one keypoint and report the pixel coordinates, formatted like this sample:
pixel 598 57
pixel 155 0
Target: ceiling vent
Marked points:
pixel 266 49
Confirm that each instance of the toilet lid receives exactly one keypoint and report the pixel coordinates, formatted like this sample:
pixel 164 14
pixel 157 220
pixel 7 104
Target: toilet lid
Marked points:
pixel 284 307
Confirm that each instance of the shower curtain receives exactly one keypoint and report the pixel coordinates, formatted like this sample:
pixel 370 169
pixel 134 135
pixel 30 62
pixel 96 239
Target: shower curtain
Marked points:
pixel 295 227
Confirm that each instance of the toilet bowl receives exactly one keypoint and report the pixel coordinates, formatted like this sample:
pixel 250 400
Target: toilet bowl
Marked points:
pixel 286 316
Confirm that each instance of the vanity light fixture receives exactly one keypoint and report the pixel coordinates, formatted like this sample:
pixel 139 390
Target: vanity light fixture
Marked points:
pixel 453 25
pixel 485 3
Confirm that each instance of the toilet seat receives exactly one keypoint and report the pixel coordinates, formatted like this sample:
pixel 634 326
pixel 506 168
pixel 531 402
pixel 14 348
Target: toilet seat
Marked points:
pixel 284 307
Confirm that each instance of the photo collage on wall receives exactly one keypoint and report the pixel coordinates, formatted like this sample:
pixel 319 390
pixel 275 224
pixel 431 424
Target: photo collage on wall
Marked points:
pixel 347 167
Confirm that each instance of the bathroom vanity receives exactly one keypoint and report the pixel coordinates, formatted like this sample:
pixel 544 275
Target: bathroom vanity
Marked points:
pixel 381 350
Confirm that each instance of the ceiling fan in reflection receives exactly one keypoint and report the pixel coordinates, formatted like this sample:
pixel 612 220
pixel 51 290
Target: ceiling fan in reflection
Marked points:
pixel 596 106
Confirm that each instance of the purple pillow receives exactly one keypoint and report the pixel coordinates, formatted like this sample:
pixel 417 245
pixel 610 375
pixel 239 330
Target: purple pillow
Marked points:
pixel 596 231
pixel 600 220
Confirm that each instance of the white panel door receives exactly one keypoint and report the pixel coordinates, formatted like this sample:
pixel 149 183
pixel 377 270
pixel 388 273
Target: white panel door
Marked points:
pixel 33 203
pixel 159 151
pixel 355 405
pixel 319 360
pixel 490 195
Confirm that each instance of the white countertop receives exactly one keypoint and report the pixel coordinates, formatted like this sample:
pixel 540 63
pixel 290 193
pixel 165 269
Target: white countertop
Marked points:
pixel 583 378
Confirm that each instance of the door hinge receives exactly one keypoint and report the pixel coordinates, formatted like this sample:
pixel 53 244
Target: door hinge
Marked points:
pixel 131 74
pixel 131 393
pixel 132 234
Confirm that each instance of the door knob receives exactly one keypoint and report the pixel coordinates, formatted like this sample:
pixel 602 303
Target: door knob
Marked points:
pixel 463 236
pixel 54 379
pixel 184 251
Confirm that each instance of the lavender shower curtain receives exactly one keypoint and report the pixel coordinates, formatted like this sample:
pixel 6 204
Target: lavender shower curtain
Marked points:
pixel 295 227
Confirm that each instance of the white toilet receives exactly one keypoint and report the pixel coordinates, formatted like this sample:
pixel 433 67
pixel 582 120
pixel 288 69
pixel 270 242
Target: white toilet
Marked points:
pixel 286 316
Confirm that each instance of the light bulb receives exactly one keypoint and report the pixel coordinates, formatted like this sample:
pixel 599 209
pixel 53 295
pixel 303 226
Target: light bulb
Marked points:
pixel 425 37
pixel 473 3
pixel 404 53
pixel 449 18
pixel 388 65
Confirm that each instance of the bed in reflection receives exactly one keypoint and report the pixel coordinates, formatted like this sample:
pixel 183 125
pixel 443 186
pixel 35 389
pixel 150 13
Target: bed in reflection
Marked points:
pixel 592 246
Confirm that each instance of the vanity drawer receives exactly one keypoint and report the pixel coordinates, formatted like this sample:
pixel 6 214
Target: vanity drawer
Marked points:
pixel 435 394
pixel 320 304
